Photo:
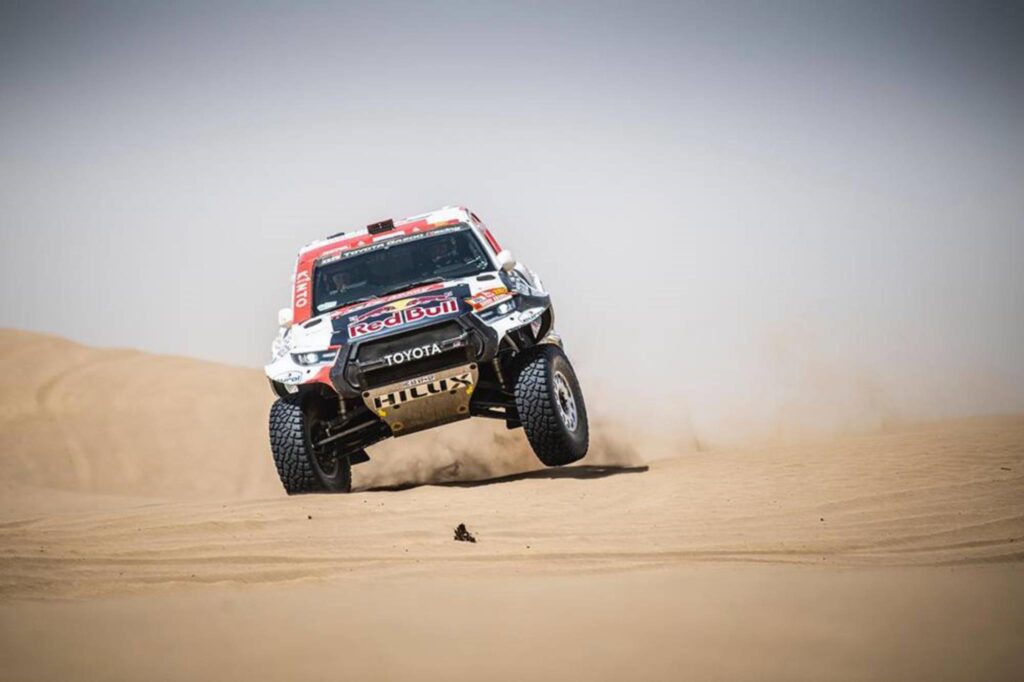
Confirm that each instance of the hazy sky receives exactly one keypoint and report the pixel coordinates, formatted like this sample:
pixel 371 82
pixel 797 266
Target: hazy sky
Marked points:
pixel 750 209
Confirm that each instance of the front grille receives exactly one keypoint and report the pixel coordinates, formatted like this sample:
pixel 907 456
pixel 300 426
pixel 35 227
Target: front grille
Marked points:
pixel 450 336
pixel 416 368
pixel 372 351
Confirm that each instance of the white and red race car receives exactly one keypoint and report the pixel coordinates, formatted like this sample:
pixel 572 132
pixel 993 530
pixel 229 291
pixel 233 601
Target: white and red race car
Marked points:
pixel 407 325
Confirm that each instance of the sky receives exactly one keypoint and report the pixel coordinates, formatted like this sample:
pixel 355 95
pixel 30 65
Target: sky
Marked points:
pixel 751 216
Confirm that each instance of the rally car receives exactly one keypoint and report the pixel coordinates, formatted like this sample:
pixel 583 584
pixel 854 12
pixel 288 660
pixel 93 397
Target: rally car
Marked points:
pixel 407 325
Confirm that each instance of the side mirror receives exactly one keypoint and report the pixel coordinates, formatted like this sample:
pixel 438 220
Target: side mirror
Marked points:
pixel 506 261
pixel 284 317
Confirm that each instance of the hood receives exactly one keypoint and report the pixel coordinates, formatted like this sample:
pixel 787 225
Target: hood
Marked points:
pixel 401 312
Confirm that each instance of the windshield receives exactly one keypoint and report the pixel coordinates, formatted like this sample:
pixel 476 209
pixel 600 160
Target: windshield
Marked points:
pixel 390 266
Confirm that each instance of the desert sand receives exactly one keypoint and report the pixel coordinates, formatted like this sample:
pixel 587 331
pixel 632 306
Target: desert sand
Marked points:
pixel 144 535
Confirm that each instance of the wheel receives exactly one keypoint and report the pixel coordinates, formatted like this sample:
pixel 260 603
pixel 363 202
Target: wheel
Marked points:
pixel 294 426
pixel 550 406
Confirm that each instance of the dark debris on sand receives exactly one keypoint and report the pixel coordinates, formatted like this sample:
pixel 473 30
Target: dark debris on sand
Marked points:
pixel 462 534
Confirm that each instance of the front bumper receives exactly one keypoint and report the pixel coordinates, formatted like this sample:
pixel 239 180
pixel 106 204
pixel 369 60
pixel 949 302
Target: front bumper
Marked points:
pixel 363 365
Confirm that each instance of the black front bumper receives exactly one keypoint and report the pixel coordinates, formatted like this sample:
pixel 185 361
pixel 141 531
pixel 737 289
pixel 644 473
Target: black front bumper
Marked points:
pixel 362 365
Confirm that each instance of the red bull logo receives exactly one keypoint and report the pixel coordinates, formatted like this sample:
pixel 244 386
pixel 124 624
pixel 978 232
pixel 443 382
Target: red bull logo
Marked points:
pixel 402 312
pixel 396 306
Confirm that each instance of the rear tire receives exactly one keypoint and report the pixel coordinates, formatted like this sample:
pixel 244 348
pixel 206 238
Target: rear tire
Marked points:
pixel 550 406
pixel 302 468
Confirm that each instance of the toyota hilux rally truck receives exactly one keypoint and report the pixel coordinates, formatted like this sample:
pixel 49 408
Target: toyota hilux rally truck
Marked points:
pixel 407 325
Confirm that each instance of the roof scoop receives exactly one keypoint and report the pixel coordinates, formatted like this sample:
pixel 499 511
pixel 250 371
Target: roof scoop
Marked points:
pixel 382 226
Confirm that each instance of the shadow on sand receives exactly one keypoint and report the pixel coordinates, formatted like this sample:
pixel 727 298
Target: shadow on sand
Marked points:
pixel 583 472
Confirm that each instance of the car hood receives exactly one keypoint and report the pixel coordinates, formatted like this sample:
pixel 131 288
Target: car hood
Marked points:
pixel 400 312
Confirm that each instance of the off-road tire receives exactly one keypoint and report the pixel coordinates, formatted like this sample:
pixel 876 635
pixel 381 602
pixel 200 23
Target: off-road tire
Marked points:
pixel 290 421
pixel 538 404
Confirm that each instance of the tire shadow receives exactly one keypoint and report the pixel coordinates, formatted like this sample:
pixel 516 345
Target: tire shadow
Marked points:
pixel 582 472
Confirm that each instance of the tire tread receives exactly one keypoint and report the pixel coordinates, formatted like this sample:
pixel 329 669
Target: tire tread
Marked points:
pixel 288 444
pixel 539 414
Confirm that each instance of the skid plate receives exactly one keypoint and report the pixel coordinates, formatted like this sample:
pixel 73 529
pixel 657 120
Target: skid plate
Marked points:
pixel 424 402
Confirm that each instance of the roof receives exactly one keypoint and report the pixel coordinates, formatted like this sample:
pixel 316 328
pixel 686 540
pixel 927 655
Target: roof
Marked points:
pixel 361 237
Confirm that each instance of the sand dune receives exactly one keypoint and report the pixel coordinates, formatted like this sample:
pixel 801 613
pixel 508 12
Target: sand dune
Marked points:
pixel 140 504
pixel 116 423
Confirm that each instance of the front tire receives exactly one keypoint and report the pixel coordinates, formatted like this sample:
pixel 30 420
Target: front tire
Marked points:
pixel 301 467
pixel 550 406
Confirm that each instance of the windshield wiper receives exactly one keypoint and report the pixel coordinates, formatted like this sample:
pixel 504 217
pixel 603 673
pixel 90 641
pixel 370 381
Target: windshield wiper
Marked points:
pixel 395 290
pixel 362 299
pixel 412 285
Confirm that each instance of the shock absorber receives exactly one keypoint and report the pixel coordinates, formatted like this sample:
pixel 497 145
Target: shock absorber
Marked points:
pixel 498 372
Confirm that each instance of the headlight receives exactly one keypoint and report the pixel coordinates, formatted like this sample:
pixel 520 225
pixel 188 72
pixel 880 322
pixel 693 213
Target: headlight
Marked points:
pixel 492 303
pixel 500 310
pixel 314 358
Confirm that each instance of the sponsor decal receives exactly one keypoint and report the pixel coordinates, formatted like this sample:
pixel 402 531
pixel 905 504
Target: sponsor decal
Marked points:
pixel 345 310
pixel 488 297
pixel 401 312
pixel 385 241
pixel 462 381
pixel 292 377
pixel 417 353
pixel 302 289
pixel 419 380
pixel 530 315
pixel 519 283
pixel 396 306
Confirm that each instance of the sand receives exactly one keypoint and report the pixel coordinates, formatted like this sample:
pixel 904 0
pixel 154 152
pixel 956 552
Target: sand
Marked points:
pixel 143 535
